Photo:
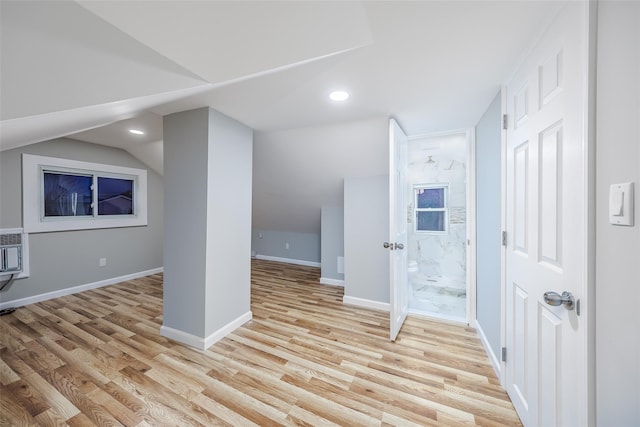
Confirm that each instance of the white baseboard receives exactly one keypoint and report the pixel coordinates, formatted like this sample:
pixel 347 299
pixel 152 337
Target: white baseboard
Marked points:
pixel 495 361
pixel 182 337
pixel 73 290
pixel 288 260
pixel 334 282
pixel 227 329
pixel 206 342
pixel 366 303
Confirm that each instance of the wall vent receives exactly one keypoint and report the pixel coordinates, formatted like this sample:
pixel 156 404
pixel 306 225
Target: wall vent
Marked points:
pixel 14 253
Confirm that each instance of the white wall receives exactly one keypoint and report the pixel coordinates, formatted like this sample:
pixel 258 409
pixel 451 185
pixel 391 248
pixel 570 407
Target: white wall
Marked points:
pixel 75 60
pixel 617 248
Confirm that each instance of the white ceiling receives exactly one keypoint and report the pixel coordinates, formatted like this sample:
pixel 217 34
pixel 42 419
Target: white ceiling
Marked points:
pixel 79 68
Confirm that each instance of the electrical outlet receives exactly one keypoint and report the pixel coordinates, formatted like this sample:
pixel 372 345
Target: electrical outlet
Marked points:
pixel 286 245
pixel 102 262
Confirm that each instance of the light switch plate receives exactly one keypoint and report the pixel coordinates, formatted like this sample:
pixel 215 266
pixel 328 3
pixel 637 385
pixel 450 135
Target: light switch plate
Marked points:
pixel 621 204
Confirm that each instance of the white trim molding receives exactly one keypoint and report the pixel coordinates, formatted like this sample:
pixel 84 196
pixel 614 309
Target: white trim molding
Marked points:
pixel 204 343
pixel 75 289
pixel 227 329
pixel 366 303
pixel 493 358
pixel 182 337
pixel 334 282
pixel 471 228
pixel 288 260
pixel 34 168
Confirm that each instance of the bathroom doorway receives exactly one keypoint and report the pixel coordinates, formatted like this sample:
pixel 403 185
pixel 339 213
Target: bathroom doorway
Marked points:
pixel 438 229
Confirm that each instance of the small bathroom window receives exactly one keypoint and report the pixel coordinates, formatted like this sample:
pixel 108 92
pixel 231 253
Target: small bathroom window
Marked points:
pixel 432 213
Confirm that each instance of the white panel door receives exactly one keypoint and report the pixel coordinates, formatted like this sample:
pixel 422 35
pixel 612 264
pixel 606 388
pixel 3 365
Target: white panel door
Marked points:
pixel 398 228
pixel 546 205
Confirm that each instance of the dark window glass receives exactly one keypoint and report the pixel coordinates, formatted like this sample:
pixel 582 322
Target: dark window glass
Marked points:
pixel 115 196
pixel 67 194
pixel 430 221
pixel 430 198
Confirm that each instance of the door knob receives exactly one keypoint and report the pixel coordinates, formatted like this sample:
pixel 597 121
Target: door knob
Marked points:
pixel 555 299
pixel 386 245
pixel 398 246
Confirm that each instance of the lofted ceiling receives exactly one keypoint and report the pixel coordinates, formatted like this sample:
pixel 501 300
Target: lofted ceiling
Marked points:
pixel 90 69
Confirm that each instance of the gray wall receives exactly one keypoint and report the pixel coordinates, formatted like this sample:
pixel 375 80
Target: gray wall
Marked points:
pixel 366 228
pixel 230 166
pixel 488 216
pixel 302 246
pixel 332 241
pixel 617 248
pixel 186 139
pixel 60 260
pixel 297 171
pixel 207 167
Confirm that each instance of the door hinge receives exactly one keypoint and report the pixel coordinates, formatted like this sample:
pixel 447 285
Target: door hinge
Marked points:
pixel 505 122
pixel 504 238
pixel 504 354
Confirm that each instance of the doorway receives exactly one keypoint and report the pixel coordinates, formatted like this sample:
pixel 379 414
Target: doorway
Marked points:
pixel 437 199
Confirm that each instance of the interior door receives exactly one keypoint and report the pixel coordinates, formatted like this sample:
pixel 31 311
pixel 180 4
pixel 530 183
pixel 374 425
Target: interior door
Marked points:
pixel 397 244
pixel 546 219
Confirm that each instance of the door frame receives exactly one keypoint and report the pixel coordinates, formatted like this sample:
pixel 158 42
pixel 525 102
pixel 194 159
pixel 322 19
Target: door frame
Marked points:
pixel 470 134
pixel 471 227
pixel 587 394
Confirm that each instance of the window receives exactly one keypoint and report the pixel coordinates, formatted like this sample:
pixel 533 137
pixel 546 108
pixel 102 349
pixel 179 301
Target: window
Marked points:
pixel 432 214
pixel 115 196
pixel 66 194
pixel 61 194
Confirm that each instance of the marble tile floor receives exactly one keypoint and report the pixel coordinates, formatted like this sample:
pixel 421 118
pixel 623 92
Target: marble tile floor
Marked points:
pixel 438 296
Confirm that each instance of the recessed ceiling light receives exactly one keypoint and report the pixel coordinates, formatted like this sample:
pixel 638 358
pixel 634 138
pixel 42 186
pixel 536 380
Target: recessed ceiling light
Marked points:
pixel 339 95
pixel 136 131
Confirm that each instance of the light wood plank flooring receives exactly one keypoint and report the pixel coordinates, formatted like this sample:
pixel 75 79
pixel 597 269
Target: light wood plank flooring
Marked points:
pixel 96 358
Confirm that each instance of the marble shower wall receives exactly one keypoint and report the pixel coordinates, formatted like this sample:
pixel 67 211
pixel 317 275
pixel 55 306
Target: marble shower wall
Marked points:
pixel 430 161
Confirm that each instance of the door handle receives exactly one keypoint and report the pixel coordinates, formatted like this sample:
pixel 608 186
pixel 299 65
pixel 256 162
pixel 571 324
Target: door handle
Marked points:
pixel 392 245
pixel 555 299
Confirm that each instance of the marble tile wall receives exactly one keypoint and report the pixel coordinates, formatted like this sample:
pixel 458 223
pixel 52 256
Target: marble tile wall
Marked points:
pixel 439 160
pixel 438 276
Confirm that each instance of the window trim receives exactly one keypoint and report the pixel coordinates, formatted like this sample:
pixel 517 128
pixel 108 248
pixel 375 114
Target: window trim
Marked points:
pixel 34 221
pixel 445 209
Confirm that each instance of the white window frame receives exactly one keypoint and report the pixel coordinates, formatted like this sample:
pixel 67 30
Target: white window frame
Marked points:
pixel 34 221
pixel 445 209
